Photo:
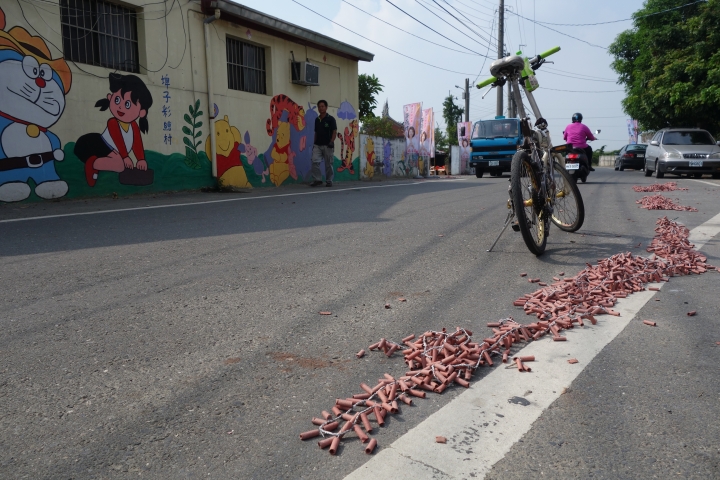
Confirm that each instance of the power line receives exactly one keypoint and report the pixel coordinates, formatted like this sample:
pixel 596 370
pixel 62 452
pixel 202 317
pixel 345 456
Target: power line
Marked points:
pixel 578 74
pixel 624 19
pixel 521 31
pixel 107 14
pixel 461 22
pixel 423 24
pixel 488 16
pixel 167 12
pixel 466 18
pixel 451 25
pixel 486 57
pixel 492 9
pixel 376 43
pixel 582 91
pixel 534 32
pixel 558 31
pixel 579 78
pixel 51 43
pixel 409 33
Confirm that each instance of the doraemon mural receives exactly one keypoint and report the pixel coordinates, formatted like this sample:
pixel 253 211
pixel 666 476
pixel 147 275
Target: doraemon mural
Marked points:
pixel 33 86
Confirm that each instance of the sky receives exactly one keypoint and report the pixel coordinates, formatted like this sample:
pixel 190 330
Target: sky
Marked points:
pixel 580 80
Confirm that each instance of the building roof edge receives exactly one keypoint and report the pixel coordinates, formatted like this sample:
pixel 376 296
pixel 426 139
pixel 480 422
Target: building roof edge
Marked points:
pixel 240 14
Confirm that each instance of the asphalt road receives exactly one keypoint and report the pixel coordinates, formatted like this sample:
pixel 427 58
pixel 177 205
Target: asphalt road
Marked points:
pixel 185 341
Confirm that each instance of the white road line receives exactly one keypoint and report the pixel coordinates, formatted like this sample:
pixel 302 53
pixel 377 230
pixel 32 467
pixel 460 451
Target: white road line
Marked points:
pixel 481 425
pixel 314 192
pixel 703 181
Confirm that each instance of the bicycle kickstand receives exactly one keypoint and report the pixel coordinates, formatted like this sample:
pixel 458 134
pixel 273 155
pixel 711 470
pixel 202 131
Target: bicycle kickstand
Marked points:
pixel 508 221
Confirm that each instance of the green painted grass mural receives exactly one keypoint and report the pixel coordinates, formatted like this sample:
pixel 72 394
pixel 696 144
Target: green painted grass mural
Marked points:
pixel 171 174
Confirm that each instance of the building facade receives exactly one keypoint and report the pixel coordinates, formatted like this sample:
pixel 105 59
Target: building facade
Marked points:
pixel 103 97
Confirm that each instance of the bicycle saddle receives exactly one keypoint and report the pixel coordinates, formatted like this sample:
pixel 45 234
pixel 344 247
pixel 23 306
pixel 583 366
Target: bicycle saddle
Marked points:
pixel 506 66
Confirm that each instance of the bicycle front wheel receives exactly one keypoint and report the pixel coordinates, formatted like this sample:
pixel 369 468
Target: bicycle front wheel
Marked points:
pixel 525 188
pixel 569 209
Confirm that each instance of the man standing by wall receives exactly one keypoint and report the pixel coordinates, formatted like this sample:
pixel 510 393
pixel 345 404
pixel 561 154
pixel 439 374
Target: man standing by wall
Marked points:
pixel 323 149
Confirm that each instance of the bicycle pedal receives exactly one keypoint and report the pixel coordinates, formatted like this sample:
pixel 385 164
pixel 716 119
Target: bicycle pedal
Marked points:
pixel 515 227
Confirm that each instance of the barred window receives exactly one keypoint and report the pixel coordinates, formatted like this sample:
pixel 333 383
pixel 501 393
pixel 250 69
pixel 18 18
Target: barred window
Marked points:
pixel 245 67
pixel 100 33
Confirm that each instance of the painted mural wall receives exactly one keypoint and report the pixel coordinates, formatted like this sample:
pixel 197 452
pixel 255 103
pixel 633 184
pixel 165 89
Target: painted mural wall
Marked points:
pixel 69 132
pixel 386 158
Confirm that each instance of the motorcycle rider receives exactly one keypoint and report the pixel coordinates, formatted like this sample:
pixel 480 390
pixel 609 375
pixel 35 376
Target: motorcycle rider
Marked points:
pixel 578 134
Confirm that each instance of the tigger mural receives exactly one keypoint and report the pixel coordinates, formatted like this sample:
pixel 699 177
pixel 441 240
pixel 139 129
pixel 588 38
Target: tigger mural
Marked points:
pixel 347 146
pixel 285 116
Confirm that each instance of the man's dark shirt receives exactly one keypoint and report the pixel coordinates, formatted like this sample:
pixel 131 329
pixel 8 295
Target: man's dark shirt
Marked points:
pixel 323 129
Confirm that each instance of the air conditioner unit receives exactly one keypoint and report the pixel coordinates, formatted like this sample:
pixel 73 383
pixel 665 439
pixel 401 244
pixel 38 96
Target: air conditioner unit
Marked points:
pixel 305 73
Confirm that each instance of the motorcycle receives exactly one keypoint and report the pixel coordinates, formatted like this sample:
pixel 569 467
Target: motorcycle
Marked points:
pixel 577 163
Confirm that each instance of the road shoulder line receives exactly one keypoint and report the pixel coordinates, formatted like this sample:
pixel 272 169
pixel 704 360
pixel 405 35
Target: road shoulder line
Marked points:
pixel 225 200
pixel 708 183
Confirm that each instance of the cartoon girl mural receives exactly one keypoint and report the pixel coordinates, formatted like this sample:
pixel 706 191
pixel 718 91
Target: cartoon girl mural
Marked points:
pixel 129 101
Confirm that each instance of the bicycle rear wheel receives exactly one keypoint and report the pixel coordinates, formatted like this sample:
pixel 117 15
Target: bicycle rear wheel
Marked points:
pixel 525 186
pixel 569 209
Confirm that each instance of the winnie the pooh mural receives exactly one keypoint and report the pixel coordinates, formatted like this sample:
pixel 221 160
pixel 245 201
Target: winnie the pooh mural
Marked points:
pixel 228 146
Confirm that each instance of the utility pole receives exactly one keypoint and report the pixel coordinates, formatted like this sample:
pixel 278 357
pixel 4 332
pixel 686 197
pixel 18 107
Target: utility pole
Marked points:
pixel 467 99
pixel 500 50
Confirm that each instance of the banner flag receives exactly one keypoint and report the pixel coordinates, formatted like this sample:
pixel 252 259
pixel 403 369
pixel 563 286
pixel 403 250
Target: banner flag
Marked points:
pixel 463 132
pixel 632 126
pixel 427 137
pixel 412 116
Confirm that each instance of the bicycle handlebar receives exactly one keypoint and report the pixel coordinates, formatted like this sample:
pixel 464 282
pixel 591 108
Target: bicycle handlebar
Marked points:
pixel 549 52
pixel 545 54
pixel 486 82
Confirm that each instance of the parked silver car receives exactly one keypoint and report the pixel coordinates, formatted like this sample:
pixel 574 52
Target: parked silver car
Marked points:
pixel 690 151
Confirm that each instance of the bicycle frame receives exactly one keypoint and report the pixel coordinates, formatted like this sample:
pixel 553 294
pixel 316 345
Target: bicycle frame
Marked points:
pixel 547 170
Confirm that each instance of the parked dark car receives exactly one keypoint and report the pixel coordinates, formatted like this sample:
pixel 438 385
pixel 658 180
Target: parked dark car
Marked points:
pixel 631 156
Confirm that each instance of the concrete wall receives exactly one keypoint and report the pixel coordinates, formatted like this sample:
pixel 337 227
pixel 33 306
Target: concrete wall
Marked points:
pixel 607 161
pixel 263 140
pixel 454 160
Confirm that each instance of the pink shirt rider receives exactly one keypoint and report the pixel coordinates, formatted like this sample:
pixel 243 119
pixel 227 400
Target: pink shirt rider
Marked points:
pixel 577 134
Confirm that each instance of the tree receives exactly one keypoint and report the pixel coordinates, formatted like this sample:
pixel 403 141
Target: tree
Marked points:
pixel 378 127
pixel 597 154
pixel 368 87
pixel 441 141
pixel 452 115
pixel 670 65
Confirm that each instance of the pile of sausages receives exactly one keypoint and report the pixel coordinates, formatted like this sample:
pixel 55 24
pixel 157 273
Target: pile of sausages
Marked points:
pixel 659 202
pixel 438 359
pixel 658 187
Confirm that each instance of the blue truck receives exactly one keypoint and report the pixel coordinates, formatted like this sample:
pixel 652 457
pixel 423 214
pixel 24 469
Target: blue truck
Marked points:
pixel 494 142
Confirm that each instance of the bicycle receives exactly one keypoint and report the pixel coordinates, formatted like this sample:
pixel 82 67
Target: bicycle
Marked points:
pixel 541 190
